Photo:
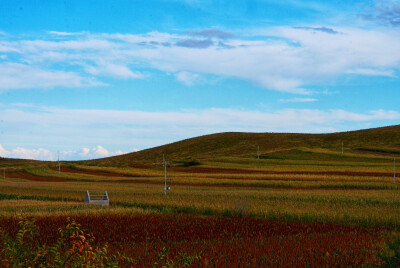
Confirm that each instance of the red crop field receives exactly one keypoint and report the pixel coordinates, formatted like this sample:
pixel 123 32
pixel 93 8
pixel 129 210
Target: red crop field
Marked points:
pixel 218 241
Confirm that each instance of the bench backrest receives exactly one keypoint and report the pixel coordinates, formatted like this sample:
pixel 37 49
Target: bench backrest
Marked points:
pixel 98 199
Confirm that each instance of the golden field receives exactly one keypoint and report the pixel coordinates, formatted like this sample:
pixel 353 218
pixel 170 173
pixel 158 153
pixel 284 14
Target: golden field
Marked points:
pixel 325 186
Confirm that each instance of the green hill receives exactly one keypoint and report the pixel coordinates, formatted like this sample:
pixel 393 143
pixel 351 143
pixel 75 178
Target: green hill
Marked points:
pixel 384 140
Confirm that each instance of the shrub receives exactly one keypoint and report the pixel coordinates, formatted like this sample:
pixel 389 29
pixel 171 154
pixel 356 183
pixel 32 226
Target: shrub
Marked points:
pixel 73 248
pixel 390 254
pixel 190 163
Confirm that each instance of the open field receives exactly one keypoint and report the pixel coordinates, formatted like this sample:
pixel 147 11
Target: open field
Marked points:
pixel 346 203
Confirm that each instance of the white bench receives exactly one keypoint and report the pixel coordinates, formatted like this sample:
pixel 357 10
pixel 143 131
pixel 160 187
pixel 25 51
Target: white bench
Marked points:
pixel 98 199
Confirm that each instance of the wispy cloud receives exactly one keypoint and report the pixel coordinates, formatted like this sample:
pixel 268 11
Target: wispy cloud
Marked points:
pixel 384 12
pixel 113 70
pixel 65 33
pixel 210 33
pixel 297 100
pixel 194 43
pixel 187 78
pixel 321 29
pixel 294 58
pixel 371 72
pixel 16 76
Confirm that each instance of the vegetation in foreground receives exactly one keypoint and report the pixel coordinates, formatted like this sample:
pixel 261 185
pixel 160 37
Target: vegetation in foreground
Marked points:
pixel 181 240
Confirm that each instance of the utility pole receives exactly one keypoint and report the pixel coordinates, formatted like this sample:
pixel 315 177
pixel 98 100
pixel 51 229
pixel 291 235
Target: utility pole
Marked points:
pixel 342 147
pixel 59 167
pixel 165 175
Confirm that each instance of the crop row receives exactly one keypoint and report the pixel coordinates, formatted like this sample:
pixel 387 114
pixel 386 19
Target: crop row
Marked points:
pixel 221 180
pixel 221 241
pixel 356 207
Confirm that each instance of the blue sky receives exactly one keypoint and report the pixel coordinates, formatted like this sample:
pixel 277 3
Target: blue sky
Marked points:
pixel 99 78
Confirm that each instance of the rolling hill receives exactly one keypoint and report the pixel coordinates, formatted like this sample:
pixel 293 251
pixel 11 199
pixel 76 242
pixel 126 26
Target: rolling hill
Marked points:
pixel 383 140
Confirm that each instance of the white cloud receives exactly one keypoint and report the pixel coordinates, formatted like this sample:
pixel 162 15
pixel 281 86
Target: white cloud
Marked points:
pixel 207 117
pixel 86 44
pixel 6 47
pixel 97 152
pixel 65 33
pixel 286 60
pixel 187 78
pixel 372 72
pixel 19 152
pixel 16 76
pixel 67 154
pixel 102 126
pixel 297 100
pixel 84 152
pixel 44 154
pixel 114 70
pixel 2 151
pixel 282 66
pixel 133 39
pixel 100 151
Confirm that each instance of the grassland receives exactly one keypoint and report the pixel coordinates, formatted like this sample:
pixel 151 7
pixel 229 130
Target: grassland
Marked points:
pixel 378 141
pixel 298 178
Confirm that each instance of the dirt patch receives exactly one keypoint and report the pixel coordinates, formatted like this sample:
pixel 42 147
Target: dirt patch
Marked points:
pixel 20 174
pixel 97 173
pixel 210 170
pixel 338 173
pixel 90 172
pixel 215 170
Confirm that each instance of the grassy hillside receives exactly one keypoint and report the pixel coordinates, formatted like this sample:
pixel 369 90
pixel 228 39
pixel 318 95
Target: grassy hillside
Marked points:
pixel 383 141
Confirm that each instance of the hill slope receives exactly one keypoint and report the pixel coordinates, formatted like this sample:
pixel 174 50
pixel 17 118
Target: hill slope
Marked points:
pixel 378 140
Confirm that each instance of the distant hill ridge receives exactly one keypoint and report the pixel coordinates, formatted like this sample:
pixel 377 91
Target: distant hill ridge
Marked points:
pixel 245 144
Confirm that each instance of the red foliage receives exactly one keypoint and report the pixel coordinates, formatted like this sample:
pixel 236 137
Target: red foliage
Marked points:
pixel 223 241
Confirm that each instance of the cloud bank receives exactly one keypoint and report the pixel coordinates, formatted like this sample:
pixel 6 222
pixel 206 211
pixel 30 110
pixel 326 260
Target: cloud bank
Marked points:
pixel 47 155
pixel 285 59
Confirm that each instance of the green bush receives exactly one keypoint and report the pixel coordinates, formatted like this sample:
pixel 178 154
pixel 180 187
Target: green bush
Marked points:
pixel 390 254
pixel 190 163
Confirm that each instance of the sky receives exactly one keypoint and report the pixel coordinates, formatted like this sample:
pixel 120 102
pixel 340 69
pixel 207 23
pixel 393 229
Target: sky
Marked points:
pixel 91 79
